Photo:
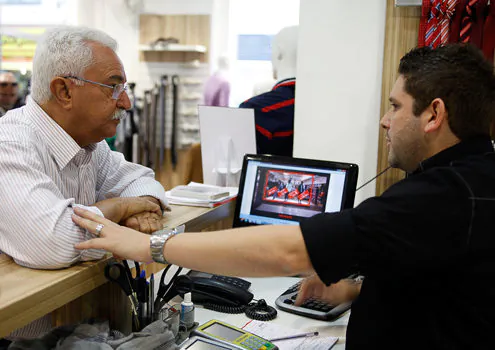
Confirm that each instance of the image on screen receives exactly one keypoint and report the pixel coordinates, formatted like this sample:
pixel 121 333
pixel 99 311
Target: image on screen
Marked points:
pixel 287 194
pixel 222 331
pixel 291 193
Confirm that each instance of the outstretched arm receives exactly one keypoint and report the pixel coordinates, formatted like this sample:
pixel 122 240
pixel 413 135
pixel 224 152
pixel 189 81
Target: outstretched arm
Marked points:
pixel 252 251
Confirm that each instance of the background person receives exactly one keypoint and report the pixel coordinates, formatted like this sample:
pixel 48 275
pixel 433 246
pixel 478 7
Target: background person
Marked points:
pixel 9 92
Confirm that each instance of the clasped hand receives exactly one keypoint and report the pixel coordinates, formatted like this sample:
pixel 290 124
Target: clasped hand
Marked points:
pixel 139 213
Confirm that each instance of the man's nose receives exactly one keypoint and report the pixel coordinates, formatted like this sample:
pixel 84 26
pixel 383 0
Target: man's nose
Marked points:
pixel 385 121
pixel 123 101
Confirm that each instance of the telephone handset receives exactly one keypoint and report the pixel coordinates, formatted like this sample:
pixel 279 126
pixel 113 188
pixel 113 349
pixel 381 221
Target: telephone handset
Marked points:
pixel 206 290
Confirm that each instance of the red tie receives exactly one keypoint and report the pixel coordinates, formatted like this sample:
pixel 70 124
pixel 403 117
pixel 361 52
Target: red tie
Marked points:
pixel 447 11
pixel 467 22
pixel 425 15
pixel 437 23
pixel 489 33
pixel 432 35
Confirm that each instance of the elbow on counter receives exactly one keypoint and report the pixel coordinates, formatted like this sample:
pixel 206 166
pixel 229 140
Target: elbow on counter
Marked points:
pixel 50 254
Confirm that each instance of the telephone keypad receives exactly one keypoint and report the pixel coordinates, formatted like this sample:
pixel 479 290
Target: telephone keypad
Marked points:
pixel 238 282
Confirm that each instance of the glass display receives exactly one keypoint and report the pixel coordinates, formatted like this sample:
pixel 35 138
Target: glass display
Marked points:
pixel 201 345
pixel 222 331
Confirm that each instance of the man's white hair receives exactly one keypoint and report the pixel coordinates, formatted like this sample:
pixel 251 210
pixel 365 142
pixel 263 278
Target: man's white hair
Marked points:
pixel 64 51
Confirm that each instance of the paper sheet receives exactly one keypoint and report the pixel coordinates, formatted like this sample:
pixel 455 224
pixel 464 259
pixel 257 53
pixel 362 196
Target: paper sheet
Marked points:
pixel 270 330
pixel 201 202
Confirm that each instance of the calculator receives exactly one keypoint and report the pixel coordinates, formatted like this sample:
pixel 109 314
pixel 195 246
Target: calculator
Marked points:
pixel 312 308
pixel 230 335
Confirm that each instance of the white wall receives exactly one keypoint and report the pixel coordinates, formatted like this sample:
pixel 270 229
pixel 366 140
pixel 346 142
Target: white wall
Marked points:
pixel 247 18
pixel 120 19
pixel 49 12
pixel 339 77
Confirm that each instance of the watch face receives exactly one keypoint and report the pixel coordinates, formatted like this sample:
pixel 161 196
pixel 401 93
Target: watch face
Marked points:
pixel 156 245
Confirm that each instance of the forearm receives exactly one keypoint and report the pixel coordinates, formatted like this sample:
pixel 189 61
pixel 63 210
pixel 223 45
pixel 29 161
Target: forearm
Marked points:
pixel 119 178
pixel 252 251
pixel 47 243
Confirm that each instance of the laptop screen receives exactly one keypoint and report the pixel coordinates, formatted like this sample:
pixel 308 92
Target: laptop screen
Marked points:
pixel 284 191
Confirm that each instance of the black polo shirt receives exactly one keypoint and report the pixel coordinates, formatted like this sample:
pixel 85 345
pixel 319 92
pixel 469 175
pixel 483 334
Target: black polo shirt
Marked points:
pixel 427 249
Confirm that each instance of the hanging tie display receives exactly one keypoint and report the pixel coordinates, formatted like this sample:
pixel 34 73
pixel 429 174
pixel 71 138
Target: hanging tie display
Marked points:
pixel 153 121
pixel 435 22
pixel 145 130
pixel 173 144
pixel 489 33
pixel 162 112
pixel 469 24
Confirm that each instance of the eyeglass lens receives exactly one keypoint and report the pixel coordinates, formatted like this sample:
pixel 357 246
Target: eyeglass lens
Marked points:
pixel 118 90
pixel 5 84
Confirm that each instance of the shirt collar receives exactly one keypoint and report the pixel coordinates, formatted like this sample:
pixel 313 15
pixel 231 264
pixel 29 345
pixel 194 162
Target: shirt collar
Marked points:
pixel 285 82
pixel 61 145
pixel 473 146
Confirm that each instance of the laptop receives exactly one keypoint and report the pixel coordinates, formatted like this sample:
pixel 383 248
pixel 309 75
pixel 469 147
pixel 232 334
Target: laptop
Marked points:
pixel 276 190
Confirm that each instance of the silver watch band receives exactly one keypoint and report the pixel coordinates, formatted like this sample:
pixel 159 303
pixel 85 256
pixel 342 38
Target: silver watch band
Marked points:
pixel 158 240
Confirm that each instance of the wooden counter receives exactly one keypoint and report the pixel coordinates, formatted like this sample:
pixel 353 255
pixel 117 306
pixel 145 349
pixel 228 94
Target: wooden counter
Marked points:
pixel 82 291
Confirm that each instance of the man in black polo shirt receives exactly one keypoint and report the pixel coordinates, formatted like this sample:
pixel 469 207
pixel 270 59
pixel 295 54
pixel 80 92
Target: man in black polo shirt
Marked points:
pixel 426 246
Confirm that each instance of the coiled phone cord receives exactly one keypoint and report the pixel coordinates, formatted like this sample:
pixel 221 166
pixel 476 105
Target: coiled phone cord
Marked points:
pixel 261 311
pixel 256 310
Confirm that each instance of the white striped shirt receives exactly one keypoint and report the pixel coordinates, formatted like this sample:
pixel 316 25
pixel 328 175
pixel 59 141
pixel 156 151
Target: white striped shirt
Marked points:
pixel 44 173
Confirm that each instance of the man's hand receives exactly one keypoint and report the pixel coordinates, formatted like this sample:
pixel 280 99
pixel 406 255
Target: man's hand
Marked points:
pixel 343 291
pixel 146 222
pixel 121 208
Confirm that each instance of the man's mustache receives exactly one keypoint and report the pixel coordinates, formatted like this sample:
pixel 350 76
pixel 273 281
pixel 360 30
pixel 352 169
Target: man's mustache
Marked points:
pixel 119 114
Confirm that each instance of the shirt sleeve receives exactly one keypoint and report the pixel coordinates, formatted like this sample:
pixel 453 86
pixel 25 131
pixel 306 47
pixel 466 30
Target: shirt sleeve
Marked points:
pixel 36 227
pixel 120 178
pixel 401 231
pixel 224 94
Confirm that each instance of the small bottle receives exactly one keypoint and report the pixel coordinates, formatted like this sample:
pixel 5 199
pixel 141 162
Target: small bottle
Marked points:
pixel 187 311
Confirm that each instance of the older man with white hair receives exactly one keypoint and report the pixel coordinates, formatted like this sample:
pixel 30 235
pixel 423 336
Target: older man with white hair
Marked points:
pixel 53 157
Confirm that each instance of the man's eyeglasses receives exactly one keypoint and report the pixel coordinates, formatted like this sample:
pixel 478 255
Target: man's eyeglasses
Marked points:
pixel 5 84
pixel 118 89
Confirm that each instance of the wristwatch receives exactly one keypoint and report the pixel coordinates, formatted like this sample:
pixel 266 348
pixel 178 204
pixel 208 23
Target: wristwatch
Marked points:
pixel 158 240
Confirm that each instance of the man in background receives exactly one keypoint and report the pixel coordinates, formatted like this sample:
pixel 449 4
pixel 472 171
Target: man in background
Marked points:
pixel 9 92
pixel 274 110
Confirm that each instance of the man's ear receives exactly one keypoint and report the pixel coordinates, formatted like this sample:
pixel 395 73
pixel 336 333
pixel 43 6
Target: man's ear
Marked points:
pixel 436 115
pixel 62 92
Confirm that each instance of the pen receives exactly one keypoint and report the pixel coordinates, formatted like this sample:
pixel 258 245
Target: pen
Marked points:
pixel 152 297
pixel 302 335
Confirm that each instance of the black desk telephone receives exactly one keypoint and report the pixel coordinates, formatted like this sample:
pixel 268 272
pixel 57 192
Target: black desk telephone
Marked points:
pixel 215 290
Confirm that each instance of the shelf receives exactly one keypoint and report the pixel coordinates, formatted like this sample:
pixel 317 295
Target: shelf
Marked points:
pixel 173 48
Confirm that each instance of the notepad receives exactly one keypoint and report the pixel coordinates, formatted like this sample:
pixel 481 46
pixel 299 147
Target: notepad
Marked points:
pixel 200 192
pixel 268 330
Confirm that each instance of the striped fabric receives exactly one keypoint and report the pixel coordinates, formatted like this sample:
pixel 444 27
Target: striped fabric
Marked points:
pixel 44 174
pixel 274 118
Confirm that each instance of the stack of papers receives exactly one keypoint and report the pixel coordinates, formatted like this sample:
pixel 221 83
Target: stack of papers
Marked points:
pixel 174 196
pixel 269 331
